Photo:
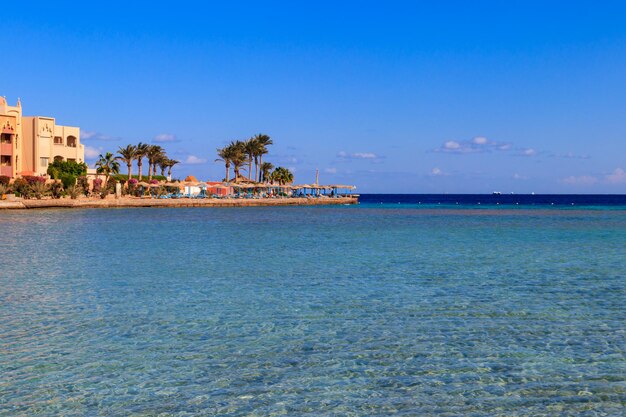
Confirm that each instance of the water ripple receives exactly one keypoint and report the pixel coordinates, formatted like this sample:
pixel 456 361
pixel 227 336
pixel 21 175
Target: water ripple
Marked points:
pixel 312 311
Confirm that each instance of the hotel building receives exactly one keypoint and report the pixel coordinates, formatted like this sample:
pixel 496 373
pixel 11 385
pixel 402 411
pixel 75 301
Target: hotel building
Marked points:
pixel 29 143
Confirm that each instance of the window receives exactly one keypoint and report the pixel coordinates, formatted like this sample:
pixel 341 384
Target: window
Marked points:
pixel 71 160
pixel 5 138
pixel 71 141
pixel 5 160
pixel 43 162
pixel 58 140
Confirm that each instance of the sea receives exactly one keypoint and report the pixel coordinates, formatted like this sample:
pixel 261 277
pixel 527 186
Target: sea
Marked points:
pixel 408 305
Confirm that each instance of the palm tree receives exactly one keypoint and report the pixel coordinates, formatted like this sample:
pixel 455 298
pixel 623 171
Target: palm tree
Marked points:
pixel 265 170
pixel 107 165
pixel 239 157
pixel 170 164
pixel 263 141
pixel 154 154
pixel 163 165
pixel 142 151
pixel 252 148
pixel 127 155
pixel 160 162
pixel 225 154
pixel 282 176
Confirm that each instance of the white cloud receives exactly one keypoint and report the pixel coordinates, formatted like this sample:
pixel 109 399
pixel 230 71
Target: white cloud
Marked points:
pixel 164 138
pixel 91 152
pixel 330 170
pixel 581 180
pixel 194 160
pixel 364 155
pixel 529 152
pixel 358 155
pixel 570 155
pixel 86 135
pixel 517 176
pixel 89 135
pixel 618 176
pixel 438 172
pixel 475 145
pixel 480 140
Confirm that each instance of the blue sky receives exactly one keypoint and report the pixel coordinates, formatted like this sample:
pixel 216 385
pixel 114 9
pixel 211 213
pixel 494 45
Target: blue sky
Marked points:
pixel 419 97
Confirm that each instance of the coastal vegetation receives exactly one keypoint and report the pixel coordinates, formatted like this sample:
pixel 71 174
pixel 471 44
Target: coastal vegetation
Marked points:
pixel 239 154
pixel 157 159
pixel 67 172
pixel 107 164
pixel 281 176
pixel 246 171
pixel 37 187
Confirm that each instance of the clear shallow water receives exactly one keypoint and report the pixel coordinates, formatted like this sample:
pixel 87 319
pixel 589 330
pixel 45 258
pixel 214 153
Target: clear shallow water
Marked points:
pixel 363 310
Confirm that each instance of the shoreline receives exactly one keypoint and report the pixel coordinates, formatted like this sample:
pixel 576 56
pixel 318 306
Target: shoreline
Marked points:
pixel 127 202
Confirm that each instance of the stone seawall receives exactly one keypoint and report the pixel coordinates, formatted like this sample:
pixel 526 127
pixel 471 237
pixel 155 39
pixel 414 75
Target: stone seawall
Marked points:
pixel 181 202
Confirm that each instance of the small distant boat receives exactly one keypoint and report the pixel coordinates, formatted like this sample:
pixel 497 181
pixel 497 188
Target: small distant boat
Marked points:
pixel 496 193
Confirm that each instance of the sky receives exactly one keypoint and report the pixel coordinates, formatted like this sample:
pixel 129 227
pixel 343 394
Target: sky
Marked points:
pixel 395 97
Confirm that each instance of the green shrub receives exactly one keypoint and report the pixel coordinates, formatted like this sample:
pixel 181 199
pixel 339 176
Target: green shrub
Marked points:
pixel 39 189
pixel 83 185
pixel 4 180
pixel 57 168
pixel 74 191
pixel 54 173
pixel 111 185
pixel 56 190
pixel 68 180
pixel 22 188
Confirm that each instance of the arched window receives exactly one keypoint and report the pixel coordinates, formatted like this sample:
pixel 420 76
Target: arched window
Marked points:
pixel 58 158
pixel 58 140
pixel 71 141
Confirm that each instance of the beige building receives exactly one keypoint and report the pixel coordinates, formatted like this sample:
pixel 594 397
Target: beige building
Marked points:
pixel 29 143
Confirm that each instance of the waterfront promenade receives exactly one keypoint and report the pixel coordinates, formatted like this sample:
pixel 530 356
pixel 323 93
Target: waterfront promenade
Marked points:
pixel 179 202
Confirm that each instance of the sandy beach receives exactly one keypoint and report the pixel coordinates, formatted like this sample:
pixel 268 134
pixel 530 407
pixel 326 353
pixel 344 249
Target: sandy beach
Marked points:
pixel 180 202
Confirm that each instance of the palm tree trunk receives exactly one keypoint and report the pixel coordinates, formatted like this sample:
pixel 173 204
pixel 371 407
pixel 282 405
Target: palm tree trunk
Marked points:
pixel 139 163
pixel 149 171
pixel 130 168
pixel 260 165
pixel 227 171
pixel 250 169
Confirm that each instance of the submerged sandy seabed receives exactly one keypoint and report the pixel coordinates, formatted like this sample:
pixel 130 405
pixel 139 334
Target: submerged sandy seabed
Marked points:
pixel 180 202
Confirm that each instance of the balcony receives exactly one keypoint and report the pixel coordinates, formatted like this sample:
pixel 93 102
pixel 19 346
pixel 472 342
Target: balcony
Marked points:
pixel 6 148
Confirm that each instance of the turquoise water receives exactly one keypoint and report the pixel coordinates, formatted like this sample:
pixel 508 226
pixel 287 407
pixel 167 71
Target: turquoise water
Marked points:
pixel 364 310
